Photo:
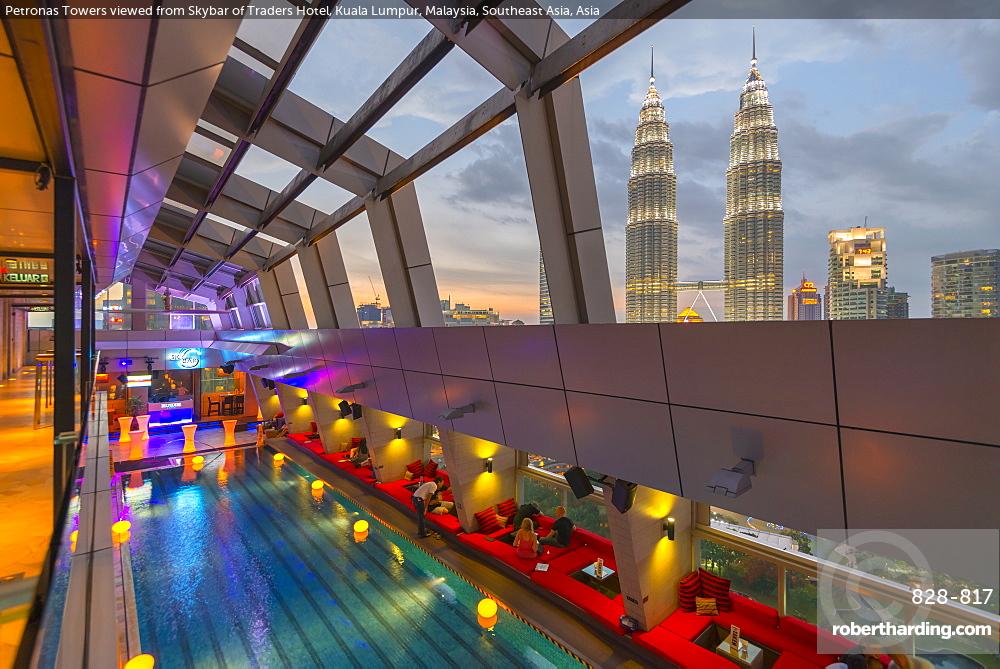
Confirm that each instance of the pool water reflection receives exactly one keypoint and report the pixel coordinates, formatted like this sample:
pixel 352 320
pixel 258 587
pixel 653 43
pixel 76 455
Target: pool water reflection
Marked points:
pixel 239 562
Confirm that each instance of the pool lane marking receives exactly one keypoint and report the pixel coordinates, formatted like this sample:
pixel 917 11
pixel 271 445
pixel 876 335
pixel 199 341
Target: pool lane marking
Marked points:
pixel 323 465
pixel 361 629
pixel 500 644
pixel 266 540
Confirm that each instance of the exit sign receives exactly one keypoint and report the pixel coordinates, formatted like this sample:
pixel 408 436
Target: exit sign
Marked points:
pixel 17 271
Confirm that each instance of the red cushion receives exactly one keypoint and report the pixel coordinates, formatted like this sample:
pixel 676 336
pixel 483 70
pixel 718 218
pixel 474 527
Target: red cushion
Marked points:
pixel 445 521
pixel 313 429
pixel 430 469
pixel 686 625
pixel 500 550
pixel 793 661
pixel 688 588
pixel 604 610
pixel 416 468
pixel 801 638
pixel 680 652
pixel 487 519
pixel 717 587
pixel 508 509
pixel 575 559
pixel 447 495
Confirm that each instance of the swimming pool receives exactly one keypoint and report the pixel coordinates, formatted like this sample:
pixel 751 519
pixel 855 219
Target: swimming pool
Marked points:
pixel 241 564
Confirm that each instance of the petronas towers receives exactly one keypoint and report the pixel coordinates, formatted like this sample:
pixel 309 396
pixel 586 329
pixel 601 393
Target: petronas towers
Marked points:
pixel 651 229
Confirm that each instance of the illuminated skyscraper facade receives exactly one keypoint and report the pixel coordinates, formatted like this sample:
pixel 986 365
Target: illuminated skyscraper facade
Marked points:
pixel 858 267
pixel 651 229
pixel 754 223
pixel 805 303
pixel 966 284
pixel 544 301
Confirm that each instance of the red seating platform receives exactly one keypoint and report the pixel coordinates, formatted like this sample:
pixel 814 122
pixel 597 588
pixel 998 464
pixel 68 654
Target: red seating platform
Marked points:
pixel 306 442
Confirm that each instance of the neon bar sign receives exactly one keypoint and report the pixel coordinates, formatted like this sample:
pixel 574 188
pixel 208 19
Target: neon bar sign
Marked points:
pixel 26 271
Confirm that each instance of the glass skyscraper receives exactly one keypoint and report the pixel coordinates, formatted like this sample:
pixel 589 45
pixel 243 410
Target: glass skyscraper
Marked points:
pixel 544 301
pixel 754 222
pixel 965 284
pixel 856 288
pixel 805 303
pixel 651 229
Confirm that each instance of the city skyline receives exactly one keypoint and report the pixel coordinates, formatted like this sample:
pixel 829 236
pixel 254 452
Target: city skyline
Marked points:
pixel 907 160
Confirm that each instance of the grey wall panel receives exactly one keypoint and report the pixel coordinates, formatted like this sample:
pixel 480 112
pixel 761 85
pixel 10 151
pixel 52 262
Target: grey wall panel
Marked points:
pixel 367 396
pixel 729 367
pixel 295 311
pixel 417 351
pixel 485 421
pixel 462 352
pixel 427 398
pixel 310 344
pixel 935 484
pixel 286 278
pixel 798 476
pixel 622 360
pixel 628 437
pixel 381 344
pixel 392 391
pixel 355 350
pixel 536 419
pixel 524 355
pixel 933 377
pixel 339 378
pixel 329 340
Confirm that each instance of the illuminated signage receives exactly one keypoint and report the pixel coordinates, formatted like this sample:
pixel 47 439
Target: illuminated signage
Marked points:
pixel 185 358
pixel 139 380
pixel 170 405
pixel 810 300
pixel 16 271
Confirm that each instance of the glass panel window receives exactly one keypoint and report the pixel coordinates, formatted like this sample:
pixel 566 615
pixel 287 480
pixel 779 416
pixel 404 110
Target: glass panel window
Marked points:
pixel 763 532
pixel 800 595
pixel 751 576
pixel 588 513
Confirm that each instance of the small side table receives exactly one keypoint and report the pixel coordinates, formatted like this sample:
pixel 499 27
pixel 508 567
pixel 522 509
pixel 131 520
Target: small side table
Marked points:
pixel 189 431
pixel 230 427
pixel 144 425
pixel 125 423
pixel 754 658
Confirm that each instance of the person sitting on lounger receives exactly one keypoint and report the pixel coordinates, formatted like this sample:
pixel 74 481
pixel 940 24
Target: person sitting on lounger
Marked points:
pixel 562 530
pixel 362 457
pixel 526 541
pixel 528 510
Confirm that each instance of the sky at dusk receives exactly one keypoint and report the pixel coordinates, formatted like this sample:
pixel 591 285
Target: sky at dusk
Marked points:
pixel 897 120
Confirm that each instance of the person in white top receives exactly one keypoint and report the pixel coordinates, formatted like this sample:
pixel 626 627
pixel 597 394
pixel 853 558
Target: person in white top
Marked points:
pixel 421 496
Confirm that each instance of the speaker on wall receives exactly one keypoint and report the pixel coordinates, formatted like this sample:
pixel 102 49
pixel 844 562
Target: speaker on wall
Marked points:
pixel 623 495
pixel 579 482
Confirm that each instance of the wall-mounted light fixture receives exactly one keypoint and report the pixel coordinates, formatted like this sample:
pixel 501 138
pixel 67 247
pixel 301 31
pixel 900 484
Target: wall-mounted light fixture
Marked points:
pixel 345 408
pixel 670 526
pixel 734 481
pixel 351 388
pixel 355 411
pixel 458 412
pixel 488 465
pixel 398 432
pixel 228 368
pixel 305 401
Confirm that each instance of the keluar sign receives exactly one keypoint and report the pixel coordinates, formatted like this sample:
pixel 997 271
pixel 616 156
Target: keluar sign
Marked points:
pixel 16 271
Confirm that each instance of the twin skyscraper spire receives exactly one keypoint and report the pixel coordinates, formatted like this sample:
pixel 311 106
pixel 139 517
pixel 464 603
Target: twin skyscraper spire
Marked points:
pixel 753 224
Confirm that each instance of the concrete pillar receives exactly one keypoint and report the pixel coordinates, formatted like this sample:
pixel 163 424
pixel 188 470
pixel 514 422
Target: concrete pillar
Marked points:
pixel 267 399
pixel 298 415
pixel 138 302
pixel 326 280
pixel 564 197
pixel 272 299
pixel 649 564
pixel 405 260
pixel 475 489
pixel 391 455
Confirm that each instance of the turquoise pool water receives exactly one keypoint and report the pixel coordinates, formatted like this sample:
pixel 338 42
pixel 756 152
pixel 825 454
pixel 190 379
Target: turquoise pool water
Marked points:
pixel 240 565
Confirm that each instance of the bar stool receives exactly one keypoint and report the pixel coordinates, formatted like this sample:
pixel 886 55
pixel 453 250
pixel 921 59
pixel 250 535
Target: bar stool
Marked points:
pixel 125 423
pixel 238 405
pixel 189 431
pixel 217 404
pixel 144 425
pixel 230 428
pixel 227 405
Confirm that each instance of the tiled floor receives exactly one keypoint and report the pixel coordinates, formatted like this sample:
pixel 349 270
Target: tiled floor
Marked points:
pixel 25 500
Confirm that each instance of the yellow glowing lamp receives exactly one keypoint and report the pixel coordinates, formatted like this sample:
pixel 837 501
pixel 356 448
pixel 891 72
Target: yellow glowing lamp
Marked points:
pixel 144 661
pixel 487 608
pixel 317 485
pixel 486 623
pixel 361 526
pixel 121 527
pixel 279 457
pixel 198 459
pixel 73 535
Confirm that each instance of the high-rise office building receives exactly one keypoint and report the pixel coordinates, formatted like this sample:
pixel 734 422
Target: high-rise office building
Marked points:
pixel 966 284
pixel 689 315
pixel 805 302
pixel 754 222
pixel 897 304
pixel 651 229
pixel 544 301
pixel 858 270
pixel 459 314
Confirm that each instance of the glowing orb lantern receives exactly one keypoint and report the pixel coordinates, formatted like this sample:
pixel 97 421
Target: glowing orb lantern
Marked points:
pixel 74 535
pixel 198 459
pixel 487 608
pixel 361 526
pixel 144 661
pixel 317 485
pixel 279 458
pixel 486 623
pixel 121 530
